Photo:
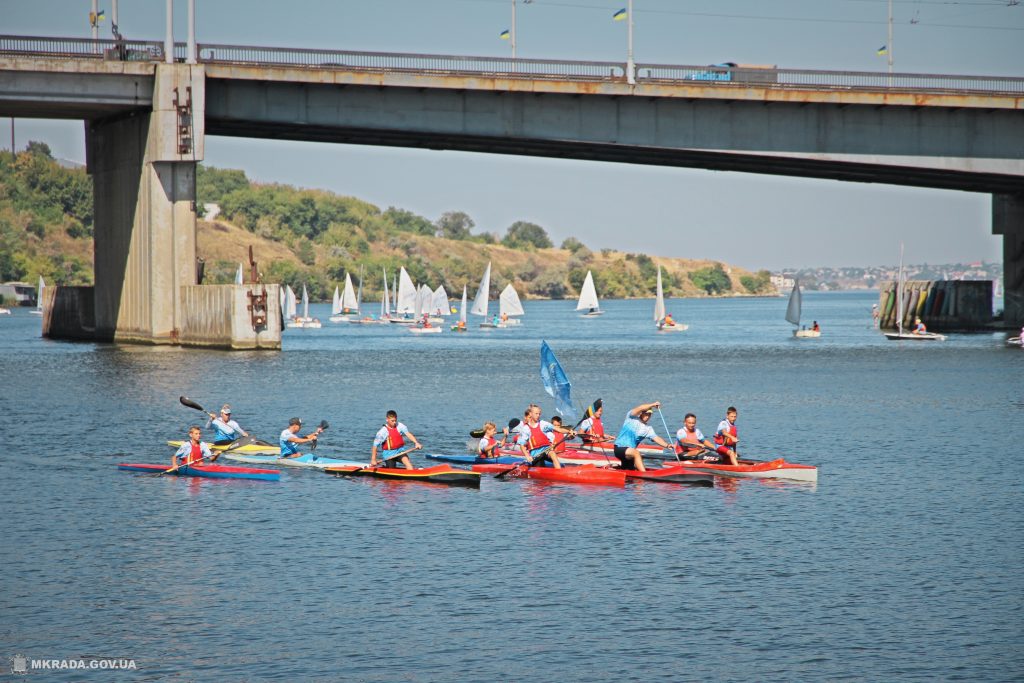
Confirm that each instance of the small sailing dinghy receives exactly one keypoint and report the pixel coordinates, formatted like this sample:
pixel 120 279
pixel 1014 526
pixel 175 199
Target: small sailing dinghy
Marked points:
pixel 480 302
pixel 793 311
pixel 907 306
pixel 461 325
pixel 304 321
pixel 662 321
pixel 405 300
pixel 424 324
pixel 38 310
pixel 509 305
pixel 588 299
pixel 346 305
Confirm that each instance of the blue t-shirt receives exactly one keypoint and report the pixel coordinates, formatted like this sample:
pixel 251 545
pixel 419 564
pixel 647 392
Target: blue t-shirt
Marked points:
pixel 288 447
pixel 633 432
pixel 225 431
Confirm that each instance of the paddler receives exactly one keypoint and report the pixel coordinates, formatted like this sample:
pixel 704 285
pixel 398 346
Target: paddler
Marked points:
pixel 727 437
pixel 290 438
pixel 390 441
pixel 536 436
pixel 634 430
pixel 689 439
pixel 192 451
pixel 225 430
pixel 591 430
pixel 488 447
pixel 559 446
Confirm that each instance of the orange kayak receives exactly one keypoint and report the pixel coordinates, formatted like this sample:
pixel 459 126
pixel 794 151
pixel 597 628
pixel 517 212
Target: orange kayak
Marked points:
pixel 583 474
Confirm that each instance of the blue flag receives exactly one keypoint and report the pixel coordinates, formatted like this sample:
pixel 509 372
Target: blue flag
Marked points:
pixel 556 383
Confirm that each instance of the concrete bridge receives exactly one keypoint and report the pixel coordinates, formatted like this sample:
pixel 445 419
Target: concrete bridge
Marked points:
pixel 148 107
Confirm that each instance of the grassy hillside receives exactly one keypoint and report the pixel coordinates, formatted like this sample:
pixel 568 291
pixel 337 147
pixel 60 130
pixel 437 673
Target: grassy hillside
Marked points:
pixel 314 237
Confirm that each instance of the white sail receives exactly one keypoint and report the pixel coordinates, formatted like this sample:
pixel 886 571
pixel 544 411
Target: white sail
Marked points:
pixel 394 295
pixel 405 302
pixel 348 296
pixel 588 295
pixel 426 297
pixel 659 301
pixel 359 292
pixel 480 302
pixel 336 302
pixel 899 295
pixel 238 275
pixel 290 305
pixel 439 302
pixel 385 305
pixel 795 305
pixel 283 300
pixel 39 294
pixel 462 311
pixel 305 302
pixel 508 302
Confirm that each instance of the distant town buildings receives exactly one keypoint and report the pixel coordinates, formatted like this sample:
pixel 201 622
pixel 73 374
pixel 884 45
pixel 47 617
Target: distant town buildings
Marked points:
pixel 833 279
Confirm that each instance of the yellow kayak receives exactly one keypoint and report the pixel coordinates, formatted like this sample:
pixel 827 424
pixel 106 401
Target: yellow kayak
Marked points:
pixel 254 446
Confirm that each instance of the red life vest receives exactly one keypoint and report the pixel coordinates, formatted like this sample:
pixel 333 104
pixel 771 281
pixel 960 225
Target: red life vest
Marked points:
pixel 394 440
pixel 490 444
pixel 195 454
pixel 559 448
pixel 596 428
pixel 688 437
pixel 538 439
pixel 720 440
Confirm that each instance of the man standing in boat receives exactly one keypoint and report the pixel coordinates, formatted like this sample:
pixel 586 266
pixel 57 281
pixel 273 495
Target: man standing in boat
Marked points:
pixel 536 436
pixel 290 438
pixel 192 451
pixel 591 430
pixel 390 441
pixel 225 430
pixel 727 437
pixel 634 430
pixel 689 439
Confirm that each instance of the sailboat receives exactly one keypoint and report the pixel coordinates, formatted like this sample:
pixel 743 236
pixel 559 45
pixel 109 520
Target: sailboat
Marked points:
pixel 38 310
pixel 439 307
pixel 461 325
pixel 304 321
pixel 423 324
pixel 239 279
pixel 663 322
pixel 901 310
pixel 405 301
pixel 347 304
pixel 480 301
pixel 509 305
pixel 588 298
pixel 793 311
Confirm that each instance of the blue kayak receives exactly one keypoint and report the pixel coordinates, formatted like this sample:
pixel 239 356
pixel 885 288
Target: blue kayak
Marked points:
pixel 305 460
pixel 206 471
pixel 475 460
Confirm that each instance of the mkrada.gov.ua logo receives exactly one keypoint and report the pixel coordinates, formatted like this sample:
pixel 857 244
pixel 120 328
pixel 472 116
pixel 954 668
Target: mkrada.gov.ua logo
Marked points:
pixel 20 664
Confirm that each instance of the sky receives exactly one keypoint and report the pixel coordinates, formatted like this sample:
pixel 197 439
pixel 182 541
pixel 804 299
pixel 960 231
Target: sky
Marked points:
pixel 754 221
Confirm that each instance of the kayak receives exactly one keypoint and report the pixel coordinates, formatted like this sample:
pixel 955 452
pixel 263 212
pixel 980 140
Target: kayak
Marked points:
pixel 673 475
pixel 772 469
pixel 438 474
pixel 206 471
pixel 609 447
pixel 570 456
pixel 583 474
pixel 304 460
pixel 256 446
pixel 474 459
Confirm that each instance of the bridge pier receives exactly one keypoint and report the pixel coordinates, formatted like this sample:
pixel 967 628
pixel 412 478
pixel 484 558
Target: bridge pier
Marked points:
pixel 1008 221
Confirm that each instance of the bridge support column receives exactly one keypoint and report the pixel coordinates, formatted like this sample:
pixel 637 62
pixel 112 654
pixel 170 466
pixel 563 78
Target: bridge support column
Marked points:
pixel 1008 221
pixel 144 172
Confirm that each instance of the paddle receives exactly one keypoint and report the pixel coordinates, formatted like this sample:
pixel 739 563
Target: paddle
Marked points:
pixel 323 427
pixel 540 456
pixel 189 403
pixel 479 433
pixel 183 464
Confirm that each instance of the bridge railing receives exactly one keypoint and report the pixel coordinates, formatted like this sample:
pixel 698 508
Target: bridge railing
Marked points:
pixel 722 75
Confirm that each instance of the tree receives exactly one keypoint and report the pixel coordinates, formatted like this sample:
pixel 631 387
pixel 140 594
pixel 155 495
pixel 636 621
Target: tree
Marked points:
pixel 455 225
pixel 759 283
pixel 713 279
pixel 39 148
pixel 572 244
pixel 522 233
pixel 407 221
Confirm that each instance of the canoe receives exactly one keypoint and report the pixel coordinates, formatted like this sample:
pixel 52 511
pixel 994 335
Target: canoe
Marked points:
pixel 473 459
pixel 672 475
pixel 309 460
pixel 253 448
pixel 583 474
pixel 772 469
pixel 439 474
pixel 206 471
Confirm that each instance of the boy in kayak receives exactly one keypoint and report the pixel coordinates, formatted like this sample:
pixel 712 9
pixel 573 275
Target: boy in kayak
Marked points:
pixel 591 430
pixel 192 451
pixel 390 441
pixel 727 437
pixel 488 447
pixel 225 430
pixel 634 430
pixel 290 438
pixel 559 446
pixel 689 439
pixel 536 436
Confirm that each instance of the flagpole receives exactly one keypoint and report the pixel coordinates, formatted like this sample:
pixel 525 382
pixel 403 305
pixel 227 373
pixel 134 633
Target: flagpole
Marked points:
pixel 512 35
pixel 95 21
pixel 630 66
pixel 889 46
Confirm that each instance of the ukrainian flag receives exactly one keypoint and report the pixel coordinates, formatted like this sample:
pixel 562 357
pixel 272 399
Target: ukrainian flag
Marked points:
pixel 100 15
pixel 620 15
pixel 505 35
pixel 884 50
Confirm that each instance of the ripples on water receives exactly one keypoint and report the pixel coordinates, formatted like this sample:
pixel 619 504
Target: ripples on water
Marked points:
pixel 902 563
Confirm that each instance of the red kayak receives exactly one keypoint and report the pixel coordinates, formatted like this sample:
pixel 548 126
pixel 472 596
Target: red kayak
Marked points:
pixel 757 469
pixel 583 474
pixel 673 475
pixel 439 474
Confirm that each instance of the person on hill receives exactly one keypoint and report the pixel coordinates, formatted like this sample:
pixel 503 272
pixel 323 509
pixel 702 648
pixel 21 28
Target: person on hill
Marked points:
pixel 225 430
pixel 727 437
pixel 390 441
pixel 815 327
pixel 591 430
pixel 193 451
pixel 559 446
pixel 919 327
pixel 290 438
pixel 535 436
pixel 488 447
pixel 689 439
pixel 634 430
